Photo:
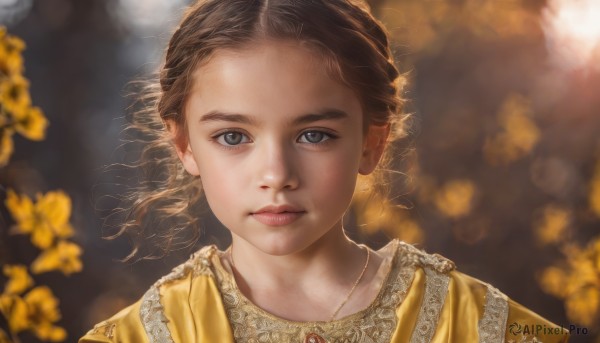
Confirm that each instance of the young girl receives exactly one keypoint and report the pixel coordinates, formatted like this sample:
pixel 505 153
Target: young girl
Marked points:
pixel 272 108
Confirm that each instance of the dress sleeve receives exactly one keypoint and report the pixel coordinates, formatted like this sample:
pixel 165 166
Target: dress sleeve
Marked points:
pixel 454 307
pixel 444 305
pixel 525 325
pixel 500 318
pixel 124 327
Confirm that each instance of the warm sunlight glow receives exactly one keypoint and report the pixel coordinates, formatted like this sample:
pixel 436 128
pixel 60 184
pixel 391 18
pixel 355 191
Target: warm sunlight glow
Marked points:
pixel 572 29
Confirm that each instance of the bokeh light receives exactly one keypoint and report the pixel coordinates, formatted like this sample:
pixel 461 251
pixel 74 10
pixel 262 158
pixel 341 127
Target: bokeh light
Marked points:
pixel 572 29
pixel 146 16
pixel 12 11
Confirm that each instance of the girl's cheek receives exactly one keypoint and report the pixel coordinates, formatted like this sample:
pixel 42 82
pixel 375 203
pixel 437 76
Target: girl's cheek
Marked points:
pixel 338 174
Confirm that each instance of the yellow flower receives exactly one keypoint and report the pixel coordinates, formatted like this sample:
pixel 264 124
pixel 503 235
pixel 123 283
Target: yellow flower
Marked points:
pixel 4 337
pixel 20 207
pixel 455 198
pixel 14 96
pixel 553 224
pixel 583 306
pixel 594 195
pixel 43 312
pixel 519 133
pixel 583 268
pixel 553 281
pixel 48 332
pixel 45 220
pixel 577 281
pixel 56 208
pixel 11 61
pixel 18 279
pixel 33 124
pixel 6 146
pixel 14 309
pixel 64 257
pixel 37 311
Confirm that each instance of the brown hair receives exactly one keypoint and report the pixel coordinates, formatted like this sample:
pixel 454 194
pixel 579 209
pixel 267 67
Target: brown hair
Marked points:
pixel 352 43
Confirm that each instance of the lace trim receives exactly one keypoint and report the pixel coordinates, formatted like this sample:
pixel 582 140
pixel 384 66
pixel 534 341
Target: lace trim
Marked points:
pixel 374 324
pixel 109 329
pixel 436 288
pixel 251 324
pixel 492 326
pixel 153 318
pixel 420 258
pixel 151 310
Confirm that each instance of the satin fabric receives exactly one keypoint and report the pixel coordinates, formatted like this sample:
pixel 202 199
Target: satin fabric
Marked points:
pixel 195 313
pixel 462 310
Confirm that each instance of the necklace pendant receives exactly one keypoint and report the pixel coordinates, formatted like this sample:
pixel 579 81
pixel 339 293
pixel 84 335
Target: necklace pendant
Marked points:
pixel 314 338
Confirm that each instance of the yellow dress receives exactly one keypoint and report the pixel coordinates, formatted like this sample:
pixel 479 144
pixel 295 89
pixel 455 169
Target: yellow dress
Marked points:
pixel 421 298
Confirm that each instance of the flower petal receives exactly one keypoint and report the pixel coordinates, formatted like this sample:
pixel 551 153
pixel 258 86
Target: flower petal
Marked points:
pixel 6 146
pixel 14 308
pixel 55 207
pixel 33 124
pixel 18 279
pixel 42 304
pixel 63 257
pixel 21 209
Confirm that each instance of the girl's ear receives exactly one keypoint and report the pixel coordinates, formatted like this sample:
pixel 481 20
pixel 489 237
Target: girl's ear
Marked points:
pixel 183 149
pixel 373 148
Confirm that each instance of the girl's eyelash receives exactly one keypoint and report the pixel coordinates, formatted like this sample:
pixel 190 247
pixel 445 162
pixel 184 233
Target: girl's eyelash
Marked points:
pixel 331 136
pixel 215 138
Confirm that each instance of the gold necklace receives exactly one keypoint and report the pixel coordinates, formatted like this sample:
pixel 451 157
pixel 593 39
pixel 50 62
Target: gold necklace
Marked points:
pixel 362 273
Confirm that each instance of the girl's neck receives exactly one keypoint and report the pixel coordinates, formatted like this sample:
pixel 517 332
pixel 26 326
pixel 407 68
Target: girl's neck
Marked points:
pixel 332 261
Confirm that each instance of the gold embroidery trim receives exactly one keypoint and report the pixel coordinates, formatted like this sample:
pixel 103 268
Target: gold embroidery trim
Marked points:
pixel 436 288
pixel 151 310
pixel 109 329
pixel 492 326
pixel 250 324
pixel 153 318
pixel 374 324
pixel 414 256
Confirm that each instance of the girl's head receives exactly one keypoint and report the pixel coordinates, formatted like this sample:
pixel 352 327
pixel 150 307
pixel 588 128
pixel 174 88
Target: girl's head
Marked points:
pixel 239 76
pixel 351 43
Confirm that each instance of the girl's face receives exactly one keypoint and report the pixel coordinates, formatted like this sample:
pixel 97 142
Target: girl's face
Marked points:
pixel 268 127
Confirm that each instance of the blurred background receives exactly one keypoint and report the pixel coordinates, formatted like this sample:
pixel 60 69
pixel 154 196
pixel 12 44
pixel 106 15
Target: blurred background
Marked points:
pixel 500 171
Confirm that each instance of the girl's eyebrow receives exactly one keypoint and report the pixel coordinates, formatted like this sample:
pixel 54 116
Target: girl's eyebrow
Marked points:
pixel 326 114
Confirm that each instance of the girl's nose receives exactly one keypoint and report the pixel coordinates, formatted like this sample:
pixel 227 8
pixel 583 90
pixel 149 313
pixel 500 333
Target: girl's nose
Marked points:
pixel 277 168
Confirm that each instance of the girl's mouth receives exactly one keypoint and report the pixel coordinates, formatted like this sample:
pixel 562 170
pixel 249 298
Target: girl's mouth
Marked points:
pixel 277 219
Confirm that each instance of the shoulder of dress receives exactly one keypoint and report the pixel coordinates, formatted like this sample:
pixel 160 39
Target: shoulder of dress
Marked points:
pixel 199 263
pixel 411 255
pixel 125 326
pixel 151 311
pixel 146 316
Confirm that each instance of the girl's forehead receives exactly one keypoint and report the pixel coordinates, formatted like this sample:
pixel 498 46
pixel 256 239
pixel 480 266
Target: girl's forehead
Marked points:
pixel 264 56
pixel 275 77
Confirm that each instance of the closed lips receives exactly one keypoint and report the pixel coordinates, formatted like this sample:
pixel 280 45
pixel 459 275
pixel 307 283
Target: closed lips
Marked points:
pixel 278 209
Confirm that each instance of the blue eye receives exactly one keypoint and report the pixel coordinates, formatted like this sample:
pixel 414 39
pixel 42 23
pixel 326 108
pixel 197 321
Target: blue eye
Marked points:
pixel 230 138
pixel 234 139
pixel 316 137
